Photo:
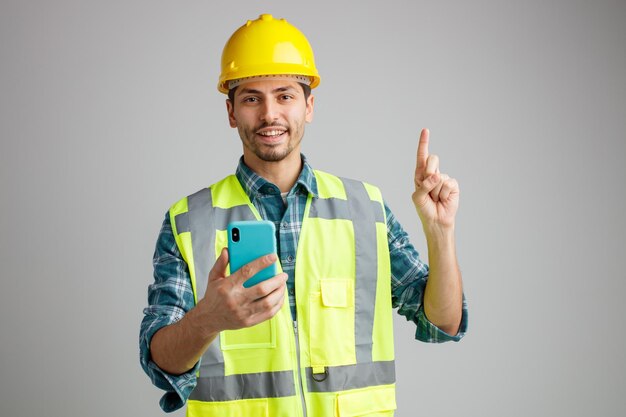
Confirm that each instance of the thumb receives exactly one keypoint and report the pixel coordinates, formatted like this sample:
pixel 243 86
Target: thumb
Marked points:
pixel 427 185
pixel 219 267
pixel 422 190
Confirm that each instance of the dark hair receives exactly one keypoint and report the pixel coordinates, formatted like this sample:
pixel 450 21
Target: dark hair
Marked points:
pixel 305 88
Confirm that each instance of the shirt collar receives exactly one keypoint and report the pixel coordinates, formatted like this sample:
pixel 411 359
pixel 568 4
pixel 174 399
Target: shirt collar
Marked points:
pixel 253 184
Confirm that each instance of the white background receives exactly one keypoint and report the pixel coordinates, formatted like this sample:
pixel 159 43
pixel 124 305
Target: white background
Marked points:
pixel 109 113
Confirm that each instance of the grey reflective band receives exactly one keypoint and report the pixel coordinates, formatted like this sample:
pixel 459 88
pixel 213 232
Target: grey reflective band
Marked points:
pixel 202 221
pixel 329 208
pixel 348 377
pixel 377 209
pixel 366 249
pixel 336 208
pixel 221 217
pixel 212 361
pixel 182 222
pixel 245 386
pixel 202 228
pixel 224 216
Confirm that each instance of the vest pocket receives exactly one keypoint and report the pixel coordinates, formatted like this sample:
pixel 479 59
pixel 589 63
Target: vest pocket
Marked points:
pixel 331 335
pixel 257 407
pixel 368 402
pixel 260 336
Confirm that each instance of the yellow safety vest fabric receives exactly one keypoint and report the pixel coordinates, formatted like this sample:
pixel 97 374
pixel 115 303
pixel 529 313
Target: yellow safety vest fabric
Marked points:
pixel 338 360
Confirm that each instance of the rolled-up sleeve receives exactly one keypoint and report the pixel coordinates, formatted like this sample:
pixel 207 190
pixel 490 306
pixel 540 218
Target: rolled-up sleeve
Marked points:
pixel 170 296
pixel 409 276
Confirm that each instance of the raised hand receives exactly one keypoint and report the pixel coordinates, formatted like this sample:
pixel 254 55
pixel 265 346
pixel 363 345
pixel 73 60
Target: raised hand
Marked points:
pixel 436 195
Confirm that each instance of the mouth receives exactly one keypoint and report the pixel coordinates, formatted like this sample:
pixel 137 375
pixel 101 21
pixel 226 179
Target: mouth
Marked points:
pixel 271 134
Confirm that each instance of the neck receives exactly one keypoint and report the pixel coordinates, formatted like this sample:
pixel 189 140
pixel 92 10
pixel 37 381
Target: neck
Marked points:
pixel 283 173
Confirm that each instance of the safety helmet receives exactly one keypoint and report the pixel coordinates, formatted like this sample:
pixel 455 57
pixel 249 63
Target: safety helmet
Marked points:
pixel 267 47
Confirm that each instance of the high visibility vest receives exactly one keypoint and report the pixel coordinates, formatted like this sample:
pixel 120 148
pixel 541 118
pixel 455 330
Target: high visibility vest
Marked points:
pixel 338 359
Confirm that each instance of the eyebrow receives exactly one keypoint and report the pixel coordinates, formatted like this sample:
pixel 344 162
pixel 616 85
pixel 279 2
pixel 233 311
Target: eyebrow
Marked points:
pixel 276 90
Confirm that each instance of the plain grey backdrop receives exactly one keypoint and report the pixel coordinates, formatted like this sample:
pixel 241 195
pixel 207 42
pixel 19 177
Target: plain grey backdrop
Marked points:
pixel 110 113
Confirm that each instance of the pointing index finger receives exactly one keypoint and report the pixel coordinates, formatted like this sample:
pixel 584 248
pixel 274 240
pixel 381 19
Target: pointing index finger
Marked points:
pixel 422 149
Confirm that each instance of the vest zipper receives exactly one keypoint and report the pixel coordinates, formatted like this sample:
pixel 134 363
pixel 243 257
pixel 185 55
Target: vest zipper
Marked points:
pixel 295 328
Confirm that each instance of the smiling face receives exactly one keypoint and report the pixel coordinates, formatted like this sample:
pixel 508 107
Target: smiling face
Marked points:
pixel 270 117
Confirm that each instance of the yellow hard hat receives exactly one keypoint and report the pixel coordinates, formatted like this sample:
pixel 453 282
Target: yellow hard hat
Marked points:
pixel 267 46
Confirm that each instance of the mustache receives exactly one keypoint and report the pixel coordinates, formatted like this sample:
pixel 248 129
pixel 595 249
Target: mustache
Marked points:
pixel 276 124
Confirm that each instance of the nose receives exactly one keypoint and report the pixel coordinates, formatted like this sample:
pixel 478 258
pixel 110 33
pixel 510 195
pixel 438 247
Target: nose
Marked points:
pixel 269 111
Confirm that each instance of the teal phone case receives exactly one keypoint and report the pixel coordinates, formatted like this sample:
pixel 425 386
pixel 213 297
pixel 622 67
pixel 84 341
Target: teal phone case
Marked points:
pixel 255 239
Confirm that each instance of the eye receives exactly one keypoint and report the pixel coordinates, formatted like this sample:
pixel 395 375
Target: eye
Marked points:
pixel 250 99
pixel 286 97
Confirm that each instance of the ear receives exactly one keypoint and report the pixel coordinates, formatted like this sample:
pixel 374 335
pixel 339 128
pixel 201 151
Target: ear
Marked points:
pixel 231 113
pixel 309 108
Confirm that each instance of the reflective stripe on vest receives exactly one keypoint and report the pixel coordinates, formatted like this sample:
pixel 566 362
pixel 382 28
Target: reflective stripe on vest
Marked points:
pixel 363 213
pixel 345 377
pixel 282 384
pixel 203 221
pixel 257 385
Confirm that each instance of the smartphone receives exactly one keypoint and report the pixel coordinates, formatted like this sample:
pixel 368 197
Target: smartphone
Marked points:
pixel 249 240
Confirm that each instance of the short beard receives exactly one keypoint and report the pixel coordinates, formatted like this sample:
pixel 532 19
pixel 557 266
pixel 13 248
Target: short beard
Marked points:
pixel 271 154
pixel 265 153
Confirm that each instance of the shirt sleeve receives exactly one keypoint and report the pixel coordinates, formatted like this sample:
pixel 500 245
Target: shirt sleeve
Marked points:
pixel 169 298
pixel 408 282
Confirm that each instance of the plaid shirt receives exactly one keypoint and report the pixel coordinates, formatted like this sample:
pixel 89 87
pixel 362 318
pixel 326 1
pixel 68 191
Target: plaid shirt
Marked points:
pixel 171 295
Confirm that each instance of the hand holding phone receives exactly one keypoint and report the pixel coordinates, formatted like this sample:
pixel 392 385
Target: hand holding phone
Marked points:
pixel 249 240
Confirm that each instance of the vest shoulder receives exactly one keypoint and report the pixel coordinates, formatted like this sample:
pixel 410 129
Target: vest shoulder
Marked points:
pixel 332 185
pixel 327 175
pixel 182 203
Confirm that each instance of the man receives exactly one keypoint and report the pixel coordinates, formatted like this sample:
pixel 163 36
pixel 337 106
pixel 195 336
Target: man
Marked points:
pixel 327 348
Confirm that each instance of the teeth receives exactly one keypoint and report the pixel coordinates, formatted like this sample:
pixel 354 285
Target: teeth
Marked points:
pixel 272 133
